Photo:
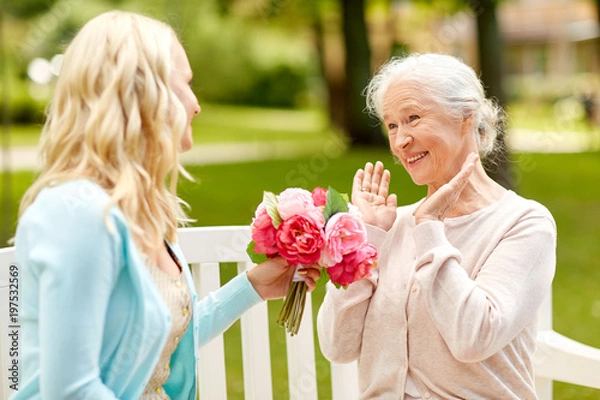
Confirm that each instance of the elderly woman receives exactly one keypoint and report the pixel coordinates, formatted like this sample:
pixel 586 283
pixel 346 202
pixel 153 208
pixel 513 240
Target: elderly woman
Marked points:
pixel 108 304
pixel 450 312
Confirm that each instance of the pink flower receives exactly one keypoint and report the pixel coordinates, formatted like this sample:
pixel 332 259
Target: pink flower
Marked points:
pixel 319 196
pixel 296 201
pixel 354 266
pixel 344 233
pixel 263 232
pixel 300 240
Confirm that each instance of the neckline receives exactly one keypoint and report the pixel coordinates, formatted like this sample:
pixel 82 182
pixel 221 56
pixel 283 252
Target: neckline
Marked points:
pixel 490 207
pixel 151 264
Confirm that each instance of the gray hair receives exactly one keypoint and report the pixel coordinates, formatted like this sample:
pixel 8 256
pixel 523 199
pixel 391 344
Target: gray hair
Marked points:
pixel 451 83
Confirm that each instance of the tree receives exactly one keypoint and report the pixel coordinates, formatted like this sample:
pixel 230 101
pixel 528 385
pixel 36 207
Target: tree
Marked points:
pixel 345 84
pixel 343 21
pixel 27 8
pixel 334 82
pixel 598 22
pixel 491 63
pixel 357 66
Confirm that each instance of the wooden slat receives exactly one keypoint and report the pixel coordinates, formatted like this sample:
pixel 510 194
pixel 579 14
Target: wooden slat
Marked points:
pixel 302 376
pixel 344 381
pixel 544 314
pixel 215 244
pixel 212 382
pixel 256 353
pixel 543 388
pixel 4 344
pixel 566 360
pixel 7 257
pixel 543 385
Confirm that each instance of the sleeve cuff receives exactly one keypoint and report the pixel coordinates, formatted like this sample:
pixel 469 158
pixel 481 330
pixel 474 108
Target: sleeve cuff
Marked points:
pixel 353 294
pixel 240 289
pixel 375 235
pixel 428 235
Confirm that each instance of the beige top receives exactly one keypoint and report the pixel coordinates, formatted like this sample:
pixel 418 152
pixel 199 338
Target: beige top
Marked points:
pixel 452 304
pixel 176 295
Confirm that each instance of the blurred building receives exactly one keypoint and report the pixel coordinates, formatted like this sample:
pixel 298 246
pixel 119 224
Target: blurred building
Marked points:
pixel 551 47
pixel 555 37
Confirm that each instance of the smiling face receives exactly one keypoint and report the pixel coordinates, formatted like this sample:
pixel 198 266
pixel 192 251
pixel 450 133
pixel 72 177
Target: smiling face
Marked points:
pixel 430 143
pixel 181 79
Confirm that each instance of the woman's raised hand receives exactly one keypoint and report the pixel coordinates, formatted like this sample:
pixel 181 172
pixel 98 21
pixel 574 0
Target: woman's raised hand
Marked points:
pixel 437 206
pixel 370 193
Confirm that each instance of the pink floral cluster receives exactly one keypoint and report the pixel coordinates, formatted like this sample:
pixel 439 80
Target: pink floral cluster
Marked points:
pixel 295 228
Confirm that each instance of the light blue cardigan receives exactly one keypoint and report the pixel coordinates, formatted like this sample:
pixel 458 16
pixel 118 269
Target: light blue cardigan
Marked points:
pixel 93 322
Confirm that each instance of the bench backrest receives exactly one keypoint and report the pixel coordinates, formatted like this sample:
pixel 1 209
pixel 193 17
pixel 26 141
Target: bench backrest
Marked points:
pixel 557 357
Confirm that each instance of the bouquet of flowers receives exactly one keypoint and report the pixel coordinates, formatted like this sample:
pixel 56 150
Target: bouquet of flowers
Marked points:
pixel 307 228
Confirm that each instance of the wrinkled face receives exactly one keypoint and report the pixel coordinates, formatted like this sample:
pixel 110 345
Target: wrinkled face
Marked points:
pixel 431 144
pixel 181 79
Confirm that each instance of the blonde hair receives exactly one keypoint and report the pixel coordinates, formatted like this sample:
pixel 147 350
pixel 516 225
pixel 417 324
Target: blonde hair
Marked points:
pixel 115 120
pixel 449 82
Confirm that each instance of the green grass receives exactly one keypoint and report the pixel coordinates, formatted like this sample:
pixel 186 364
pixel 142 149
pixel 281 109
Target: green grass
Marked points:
pixel 227 123
pixel 218 123
pixel 567 184
pixel 563 116
pixel 24 135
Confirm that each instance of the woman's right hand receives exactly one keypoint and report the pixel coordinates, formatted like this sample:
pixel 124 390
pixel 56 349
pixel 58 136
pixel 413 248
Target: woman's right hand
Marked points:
pixel 370 194
pixel 272 278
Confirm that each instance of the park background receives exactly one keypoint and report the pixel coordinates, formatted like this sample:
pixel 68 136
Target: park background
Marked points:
pixel 280 85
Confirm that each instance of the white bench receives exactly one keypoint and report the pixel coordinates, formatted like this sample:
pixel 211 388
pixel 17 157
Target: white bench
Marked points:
pixel 557 357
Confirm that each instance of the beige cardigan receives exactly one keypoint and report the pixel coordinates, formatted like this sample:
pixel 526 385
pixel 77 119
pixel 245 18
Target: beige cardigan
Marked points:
pixel 454 303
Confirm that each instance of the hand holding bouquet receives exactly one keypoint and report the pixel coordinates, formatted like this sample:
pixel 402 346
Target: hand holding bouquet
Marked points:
pixel 311 228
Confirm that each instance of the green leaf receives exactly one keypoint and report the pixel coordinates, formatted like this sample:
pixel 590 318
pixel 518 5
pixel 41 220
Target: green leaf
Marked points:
pixel 337 285
pixel 335 203
pixel 270 202
pixel 346 198
pixel 323 279
pixel 256 258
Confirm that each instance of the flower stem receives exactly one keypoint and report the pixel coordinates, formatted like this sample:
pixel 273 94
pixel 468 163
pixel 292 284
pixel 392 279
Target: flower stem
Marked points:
pixel 286 308
pixel 292 309
pixel 300 303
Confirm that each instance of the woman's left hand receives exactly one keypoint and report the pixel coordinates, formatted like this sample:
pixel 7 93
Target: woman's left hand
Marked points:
pixel 272 279
pixel 370 193
pixel 440 203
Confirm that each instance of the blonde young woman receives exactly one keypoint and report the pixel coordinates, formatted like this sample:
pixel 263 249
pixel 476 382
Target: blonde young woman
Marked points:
pixel 108 306
pixel 450 311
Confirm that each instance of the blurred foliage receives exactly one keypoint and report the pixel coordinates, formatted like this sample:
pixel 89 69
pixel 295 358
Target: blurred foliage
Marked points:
pixel 26 8
pixel 238 60
pixel 225 123
pixel 549 88
pixel 449 7
pixel 26 110
pixel 241 52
